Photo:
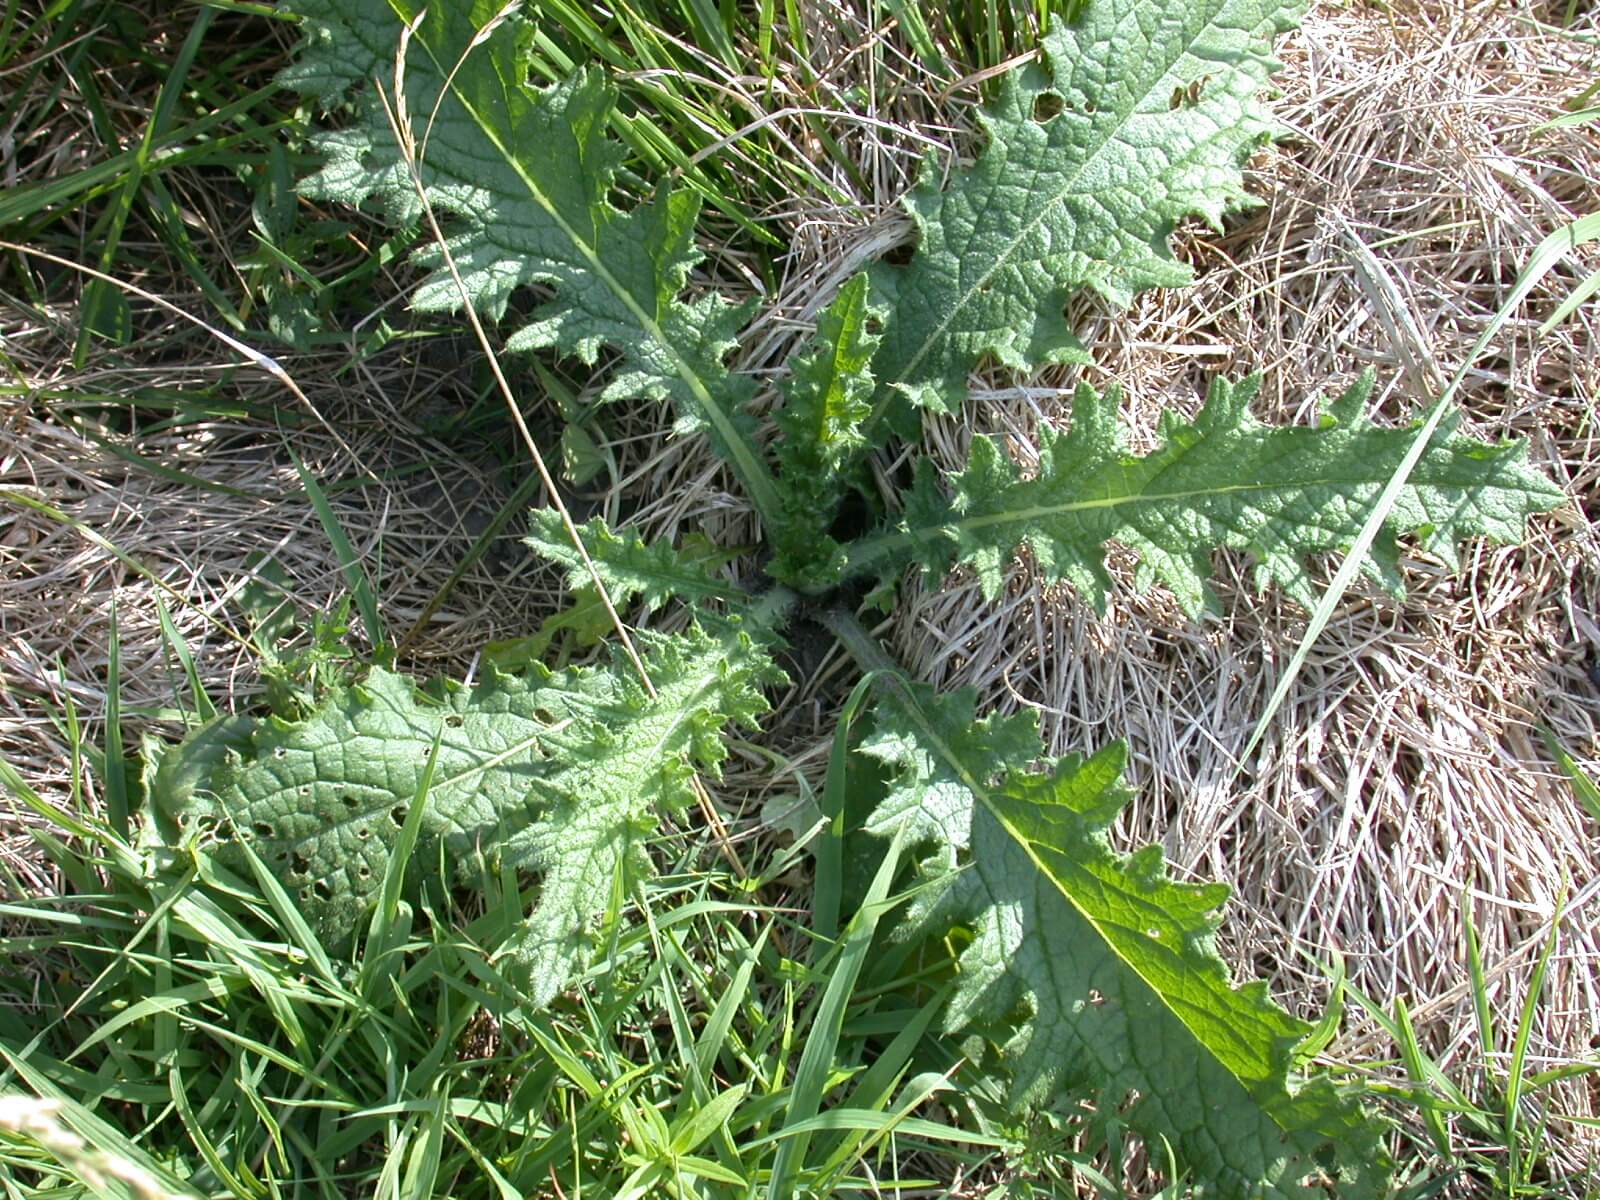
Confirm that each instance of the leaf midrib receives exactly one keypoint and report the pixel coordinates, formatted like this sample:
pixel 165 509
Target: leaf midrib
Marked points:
pixel 681 714
pixel 869 550
pixel 1002 260
pixel 750 467
pixel 981 792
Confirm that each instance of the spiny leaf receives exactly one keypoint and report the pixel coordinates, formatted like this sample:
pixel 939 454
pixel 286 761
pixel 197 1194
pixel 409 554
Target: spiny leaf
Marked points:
pixel 1140 115
pixel 827 397
pixel 1224 480
pixel 628 566
pixel 562 774
pixel 829 390
pixel 1095 974
pixel 631 569
pixel 525 175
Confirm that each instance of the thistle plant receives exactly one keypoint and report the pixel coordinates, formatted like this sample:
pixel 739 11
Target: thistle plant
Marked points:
pixel 1085 973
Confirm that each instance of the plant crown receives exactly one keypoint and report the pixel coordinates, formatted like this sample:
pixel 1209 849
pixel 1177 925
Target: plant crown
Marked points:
pixel 1088 974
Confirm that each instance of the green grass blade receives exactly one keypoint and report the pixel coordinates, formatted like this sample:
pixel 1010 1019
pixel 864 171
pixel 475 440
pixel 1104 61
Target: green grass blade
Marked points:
pixel 1515 1076
pixel 197 1134
pixel 909 14
pixel 115 773
pixel 1454 1099
pixel 874 1121
pixel 106 312
pixel 503 1186
pixel 355 575
pixel 1583 788
pixel 187 144
pixel 1477 980
pixel 875 1087
pixel 101 1136
pixel 1544 258
pixel 1587 288
pixel 817 1059
pixel 670 959
pixel 707 1119
pixel 176 1000
pixel 204 710
pixel 1326 1028
pixel 715 1035
pixel 710 26
pixel 422 1167
pixel 24 792
pixel 1411 1052
pixel 75 744
pixel 381 932
pixel 829 882
pixel 288 913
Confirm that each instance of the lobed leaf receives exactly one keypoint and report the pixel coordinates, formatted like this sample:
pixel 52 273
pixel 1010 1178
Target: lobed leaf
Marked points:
pixel 826 399
pixel 560 774
pixel 1223 480
pixel 630 567
pixel 1095 974
pixel 525 174
pixel 1139 115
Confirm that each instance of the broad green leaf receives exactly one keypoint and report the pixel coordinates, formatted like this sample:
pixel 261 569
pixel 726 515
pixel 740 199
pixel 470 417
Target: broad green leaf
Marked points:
pixel 524 176
pixel 826 398
pixel 561 774
pixel 1094 974
pixel 1139 115
pixel 1223 480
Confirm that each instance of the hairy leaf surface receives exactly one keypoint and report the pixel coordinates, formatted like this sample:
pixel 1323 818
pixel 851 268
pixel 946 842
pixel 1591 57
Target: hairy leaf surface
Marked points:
pixel 826 399
pixel 1095 974
pixel 561 774
pixel 524 175
pixel 629 566
pixel 1140 115
pixel 1223 480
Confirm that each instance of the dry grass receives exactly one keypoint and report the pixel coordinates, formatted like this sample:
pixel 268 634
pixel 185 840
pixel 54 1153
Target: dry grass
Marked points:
pixel 203 537
pixel 1403 771
pixel 1400 775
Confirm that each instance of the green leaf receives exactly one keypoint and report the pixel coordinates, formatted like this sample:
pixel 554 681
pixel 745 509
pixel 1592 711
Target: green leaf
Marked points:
pixel 525 175
pixel 1584 789
pixel 827 398
pixel 1095 974
pixel 829 391
pixel 628 566
pixel 1140 115
pixel 1223 480
pixel 105 312
pixel 561 774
